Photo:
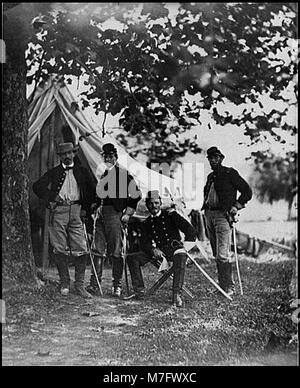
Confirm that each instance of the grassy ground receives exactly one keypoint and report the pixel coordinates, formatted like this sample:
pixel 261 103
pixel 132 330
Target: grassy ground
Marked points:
pixel 43 328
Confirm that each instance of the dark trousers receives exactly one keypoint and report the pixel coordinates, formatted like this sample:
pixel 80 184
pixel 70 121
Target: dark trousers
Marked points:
pixel 62 264
pixel 138 259
pixel 109 241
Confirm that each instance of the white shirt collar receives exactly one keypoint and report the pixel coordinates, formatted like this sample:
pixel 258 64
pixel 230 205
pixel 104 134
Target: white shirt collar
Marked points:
pixel 108 169
pixel 70 165
pixel 157 215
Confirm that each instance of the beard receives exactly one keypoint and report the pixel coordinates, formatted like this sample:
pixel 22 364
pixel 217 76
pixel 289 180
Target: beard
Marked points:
pixel 67 161
pixel 109 165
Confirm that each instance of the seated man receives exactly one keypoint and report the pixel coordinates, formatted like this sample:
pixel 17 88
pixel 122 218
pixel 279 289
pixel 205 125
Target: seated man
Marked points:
pixel 160 230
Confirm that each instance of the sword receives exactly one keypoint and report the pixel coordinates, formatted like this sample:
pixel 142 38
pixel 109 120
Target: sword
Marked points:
pixel 180 246
pixel 167 274
pixel 91 257
pixel 236 258
pixel 232 220
pixel 124 259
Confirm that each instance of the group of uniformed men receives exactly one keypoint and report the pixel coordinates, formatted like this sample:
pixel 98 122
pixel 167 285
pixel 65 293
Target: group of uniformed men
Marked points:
pixel 71 196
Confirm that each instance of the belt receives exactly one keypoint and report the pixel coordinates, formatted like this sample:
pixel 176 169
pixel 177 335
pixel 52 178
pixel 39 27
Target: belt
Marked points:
pixel 212 208
pixel 67 203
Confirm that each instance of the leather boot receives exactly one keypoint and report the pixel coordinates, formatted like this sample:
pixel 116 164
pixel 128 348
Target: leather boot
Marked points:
pixel 225 277
pixel 80 265
pixel 117 272
pixel 179 263
pixel 221 268
pixel 229 285
pixel 177 299
pixel 62 264
pixel 136 275
pixel 93 287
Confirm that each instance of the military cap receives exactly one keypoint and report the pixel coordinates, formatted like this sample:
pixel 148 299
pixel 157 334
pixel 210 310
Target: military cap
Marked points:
pixel 212 151
pixel 109 149
pixel 153 194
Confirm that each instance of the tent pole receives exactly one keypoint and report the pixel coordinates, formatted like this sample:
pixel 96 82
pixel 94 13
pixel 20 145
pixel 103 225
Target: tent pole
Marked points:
pixel 50 161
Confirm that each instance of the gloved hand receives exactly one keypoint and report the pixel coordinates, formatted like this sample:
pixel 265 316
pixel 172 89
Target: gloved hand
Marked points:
pixel 51 206
pixel 94 207
pixel 158 254
pixel 125 219
pixel 126 216
pixel 233 211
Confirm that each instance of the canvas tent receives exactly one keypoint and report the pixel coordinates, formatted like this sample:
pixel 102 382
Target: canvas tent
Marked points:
pixel 54 117
pixel 56 99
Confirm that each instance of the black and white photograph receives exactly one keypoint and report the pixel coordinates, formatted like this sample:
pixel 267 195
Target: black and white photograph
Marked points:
pixel 149 188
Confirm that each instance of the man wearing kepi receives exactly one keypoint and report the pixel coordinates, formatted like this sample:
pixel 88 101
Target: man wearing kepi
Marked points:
pixel 68 192
pixel 117 199
pixel 159 233
pixel 220 205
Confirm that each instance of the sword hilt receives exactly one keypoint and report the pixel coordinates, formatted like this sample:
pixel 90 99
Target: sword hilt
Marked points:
pixel 176 244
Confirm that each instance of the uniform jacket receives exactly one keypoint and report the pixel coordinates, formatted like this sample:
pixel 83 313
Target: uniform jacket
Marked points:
pixel 120 187
pixel 227 183
pixel 49 185
pixel 163 230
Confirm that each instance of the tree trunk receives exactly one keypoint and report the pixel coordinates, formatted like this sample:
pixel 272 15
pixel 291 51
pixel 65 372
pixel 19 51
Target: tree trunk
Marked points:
pixel 17 258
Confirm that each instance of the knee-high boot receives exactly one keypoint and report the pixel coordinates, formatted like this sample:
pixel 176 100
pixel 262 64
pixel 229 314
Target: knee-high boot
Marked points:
pixel 221 274
pixel 117 271
pixel 179 263
pixel 229 278
pixel 80 265
pixel 225 276
pixel 62 264
pixel 135 274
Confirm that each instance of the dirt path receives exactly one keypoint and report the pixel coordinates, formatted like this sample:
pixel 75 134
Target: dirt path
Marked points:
pixel 54 330
pixel 71 339
pixel 75 332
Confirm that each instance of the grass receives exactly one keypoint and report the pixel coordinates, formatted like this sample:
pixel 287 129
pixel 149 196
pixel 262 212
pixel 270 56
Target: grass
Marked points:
pixel 207 331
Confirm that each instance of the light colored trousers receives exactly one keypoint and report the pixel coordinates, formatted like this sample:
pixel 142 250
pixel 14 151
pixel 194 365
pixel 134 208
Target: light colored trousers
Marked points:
pixel 66 231
pixel 219 233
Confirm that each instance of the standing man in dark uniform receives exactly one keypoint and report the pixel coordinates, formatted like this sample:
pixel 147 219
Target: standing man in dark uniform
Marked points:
pixel 160 230
pixel 68 192
pixel 221 203
pixel 117 199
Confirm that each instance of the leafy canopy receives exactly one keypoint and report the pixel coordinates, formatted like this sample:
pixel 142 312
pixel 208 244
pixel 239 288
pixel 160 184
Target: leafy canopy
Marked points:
pixel 275 177
pixel 159 70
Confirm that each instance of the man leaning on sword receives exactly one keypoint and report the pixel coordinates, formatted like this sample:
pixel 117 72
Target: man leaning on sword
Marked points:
pixel 220 207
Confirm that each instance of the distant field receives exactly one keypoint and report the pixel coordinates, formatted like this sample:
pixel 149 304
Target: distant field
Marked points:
pixel 269 230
